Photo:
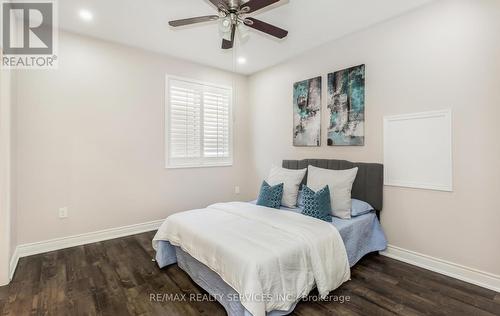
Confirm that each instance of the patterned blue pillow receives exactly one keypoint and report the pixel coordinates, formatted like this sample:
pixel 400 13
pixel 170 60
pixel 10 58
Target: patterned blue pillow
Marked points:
pixel 270 196
pixel 317 204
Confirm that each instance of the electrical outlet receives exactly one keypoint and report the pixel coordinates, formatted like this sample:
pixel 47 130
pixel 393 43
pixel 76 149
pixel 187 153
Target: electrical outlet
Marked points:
pixel 63 212
pixel 237 190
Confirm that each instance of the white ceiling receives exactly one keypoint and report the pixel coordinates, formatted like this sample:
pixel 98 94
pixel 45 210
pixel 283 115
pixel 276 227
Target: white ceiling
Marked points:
pixel 143 23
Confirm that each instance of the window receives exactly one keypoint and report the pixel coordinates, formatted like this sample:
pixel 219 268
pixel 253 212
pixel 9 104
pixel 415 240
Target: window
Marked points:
pixel 199 127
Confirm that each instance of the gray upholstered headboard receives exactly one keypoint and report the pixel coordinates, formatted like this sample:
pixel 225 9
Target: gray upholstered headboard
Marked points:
pixel 369 183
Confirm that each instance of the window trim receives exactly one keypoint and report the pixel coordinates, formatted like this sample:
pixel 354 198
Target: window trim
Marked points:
pixel 201 162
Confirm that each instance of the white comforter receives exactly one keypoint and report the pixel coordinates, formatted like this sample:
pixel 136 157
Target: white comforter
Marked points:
pixel 272 258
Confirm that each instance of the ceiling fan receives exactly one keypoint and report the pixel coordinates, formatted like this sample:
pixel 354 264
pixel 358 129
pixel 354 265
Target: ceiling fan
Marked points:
pixel 232 15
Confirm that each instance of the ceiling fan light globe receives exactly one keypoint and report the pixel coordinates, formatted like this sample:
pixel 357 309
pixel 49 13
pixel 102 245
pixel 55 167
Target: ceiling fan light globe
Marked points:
pixel 225 25
pixel 243 31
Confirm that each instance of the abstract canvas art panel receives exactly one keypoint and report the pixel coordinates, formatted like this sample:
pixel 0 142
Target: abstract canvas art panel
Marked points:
pixel 346 103
pixel 307 113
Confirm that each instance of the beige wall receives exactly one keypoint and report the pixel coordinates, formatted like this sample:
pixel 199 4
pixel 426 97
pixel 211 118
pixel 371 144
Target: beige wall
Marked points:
pixel 445 55
pixel 13 164
pixel 90 136
pixel 8 214
pixel 6 210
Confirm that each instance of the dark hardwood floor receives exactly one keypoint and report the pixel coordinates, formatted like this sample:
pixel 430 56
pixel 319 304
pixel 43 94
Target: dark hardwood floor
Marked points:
pixel 117 277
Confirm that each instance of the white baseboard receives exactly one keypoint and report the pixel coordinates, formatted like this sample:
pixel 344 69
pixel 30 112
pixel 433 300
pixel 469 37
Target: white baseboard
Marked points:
pixel 35 248
pixel 466 274
pixel 13 263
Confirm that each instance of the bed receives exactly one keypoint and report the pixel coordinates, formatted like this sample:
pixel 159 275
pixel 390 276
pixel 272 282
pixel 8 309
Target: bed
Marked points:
pixel 359 235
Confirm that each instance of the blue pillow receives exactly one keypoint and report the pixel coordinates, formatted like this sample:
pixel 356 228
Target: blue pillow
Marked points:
pixel 317 204
pixel 270 196
pixel 360 208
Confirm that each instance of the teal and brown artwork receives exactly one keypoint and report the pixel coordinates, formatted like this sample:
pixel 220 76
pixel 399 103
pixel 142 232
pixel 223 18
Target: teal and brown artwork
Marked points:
pixel 346 104
pixel 307 112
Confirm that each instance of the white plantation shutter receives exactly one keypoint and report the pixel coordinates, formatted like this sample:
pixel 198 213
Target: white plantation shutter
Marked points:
pixel 185 107
pixel 216 124
pixel 198 124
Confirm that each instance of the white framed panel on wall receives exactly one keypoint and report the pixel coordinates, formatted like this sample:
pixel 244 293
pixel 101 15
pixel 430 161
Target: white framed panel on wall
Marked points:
pixel 418 150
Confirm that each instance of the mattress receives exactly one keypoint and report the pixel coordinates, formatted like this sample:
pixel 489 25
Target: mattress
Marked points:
pixel 361 235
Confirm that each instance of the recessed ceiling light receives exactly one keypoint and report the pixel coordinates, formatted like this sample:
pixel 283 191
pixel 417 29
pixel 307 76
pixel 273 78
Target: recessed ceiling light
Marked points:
pixel 241 60
pixel 86 15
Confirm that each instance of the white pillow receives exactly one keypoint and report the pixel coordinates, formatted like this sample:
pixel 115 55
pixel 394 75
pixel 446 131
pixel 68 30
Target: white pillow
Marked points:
pixel 291 180
pixel 340 185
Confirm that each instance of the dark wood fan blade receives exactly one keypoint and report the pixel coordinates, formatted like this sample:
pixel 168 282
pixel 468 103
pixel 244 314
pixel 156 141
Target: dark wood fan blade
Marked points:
pixel 255 5
pixel 219 3
pixel 229 44
pixel 267 28
pixel 195 20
